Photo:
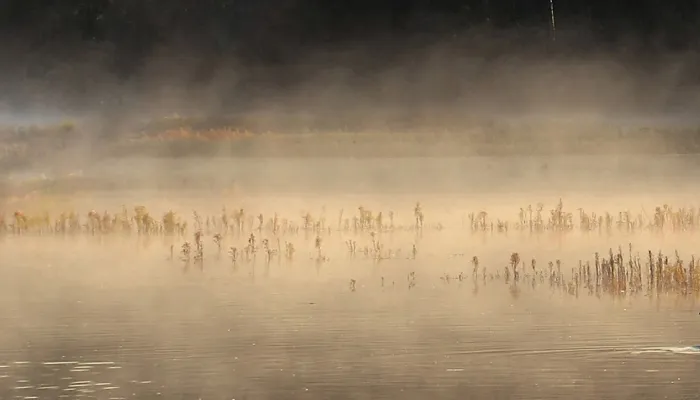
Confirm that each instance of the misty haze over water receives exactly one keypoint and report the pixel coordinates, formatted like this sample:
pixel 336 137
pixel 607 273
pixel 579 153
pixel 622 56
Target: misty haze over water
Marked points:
pixel 336 120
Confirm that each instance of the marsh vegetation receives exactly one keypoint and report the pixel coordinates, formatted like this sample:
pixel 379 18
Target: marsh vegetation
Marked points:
pixel 245 238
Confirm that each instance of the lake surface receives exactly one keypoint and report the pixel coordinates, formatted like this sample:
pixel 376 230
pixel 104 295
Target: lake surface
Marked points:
pixel 116 320
pixel 119 322
pixel 405 175
pixel 555 175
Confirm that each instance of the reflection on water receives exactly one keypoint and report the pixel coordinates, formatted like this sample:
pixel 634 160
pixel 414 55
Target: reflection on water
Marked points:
pixel 60 379
pixel 675 350
pixel 134 330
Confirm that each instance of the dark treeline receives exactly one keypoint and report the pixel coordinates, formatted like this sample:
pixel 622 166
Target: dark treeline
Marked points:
pixel 258 28
pixel 85 52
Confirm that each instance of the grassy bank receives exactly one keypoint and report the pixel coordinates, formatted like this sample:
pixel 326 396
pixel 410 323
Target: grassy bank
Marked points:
pixel 186 137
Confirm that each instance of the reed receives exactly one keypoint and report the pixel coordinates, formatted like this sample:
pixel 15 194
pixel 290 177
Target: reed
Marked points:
pixel 239 223
pixel 614 271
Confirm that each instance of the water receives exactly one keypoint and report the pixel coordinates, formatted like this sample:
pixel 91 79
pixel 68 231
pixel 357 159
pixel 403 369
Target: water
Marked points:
pixel 553 176
pixel 94 325
pixel 116 320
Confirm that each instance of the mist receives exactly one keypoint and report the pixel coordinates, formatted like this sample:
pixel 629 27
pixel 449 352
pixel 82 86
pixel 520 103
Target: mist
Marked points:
pixel 293 199
pixel 476 92
pixel 373 81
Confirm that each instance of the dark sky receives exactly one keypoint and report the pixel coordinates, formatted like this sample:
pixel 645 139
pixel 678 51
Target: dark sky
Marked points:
pixel 49 43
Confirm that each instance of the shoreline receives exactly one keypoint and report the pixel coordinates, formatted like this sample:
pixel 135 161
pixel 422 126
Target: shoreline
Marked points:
pixel 21 148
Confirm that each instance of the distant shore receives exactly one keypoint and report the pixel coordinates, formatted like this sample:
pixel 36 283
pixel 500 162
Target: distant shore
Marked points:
pixel 20 146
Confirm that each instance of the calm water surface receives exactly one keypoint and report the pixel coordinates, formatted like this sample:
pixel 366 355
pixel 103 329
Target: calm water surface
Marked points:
pixel 94 325
pixel 125 323
pixel 556 175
